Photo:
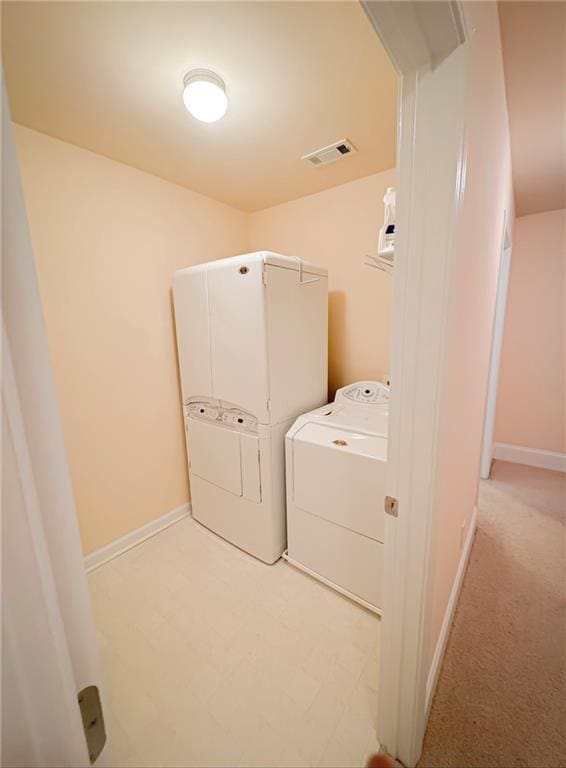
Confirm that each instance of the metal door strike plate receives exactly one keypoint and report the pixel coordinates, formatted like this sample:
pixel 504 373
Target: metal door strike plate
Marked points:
pixel 93 721
pixel 391 506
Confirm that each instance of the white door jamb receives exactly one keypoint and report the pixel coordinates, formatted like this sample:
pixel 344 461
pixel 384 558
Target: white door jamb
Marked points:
pixel 496 349
pixel 424 41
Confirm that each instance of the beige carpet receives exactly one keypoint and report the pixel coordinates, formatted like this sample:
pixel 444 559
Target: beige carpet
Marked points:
pixel 501 697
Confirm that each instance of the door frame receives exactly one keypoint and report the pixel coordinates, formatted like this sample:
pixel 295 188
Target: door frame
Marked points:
pixel 496 350
pixel 50 648
pixel 426 43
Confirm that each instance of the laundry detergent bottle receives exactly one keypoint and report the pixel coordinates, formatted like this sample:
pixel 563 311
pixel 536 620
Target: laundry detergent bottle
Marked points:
pixel 386 244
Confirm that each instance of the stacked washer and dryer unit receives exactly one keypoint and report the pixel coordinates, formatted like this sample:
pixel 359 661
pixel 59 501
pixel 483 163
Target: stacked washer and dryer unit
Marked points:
pixel 252 336
pixel 253 350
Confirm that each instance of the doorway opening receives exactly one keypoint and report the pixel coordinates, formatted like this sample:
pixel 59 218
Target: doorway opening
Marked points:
pixel 496 349
pixel 209 655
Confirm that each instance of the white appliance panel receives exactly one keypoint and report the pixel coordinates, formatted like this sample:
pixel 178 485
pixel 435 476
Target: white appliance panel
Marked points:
pixel 238 342
pixel 214 454
pixel 191 320
pixel 348 560
pixel 297 350
pixel 258 528
pixel 250 463
pixel 339 475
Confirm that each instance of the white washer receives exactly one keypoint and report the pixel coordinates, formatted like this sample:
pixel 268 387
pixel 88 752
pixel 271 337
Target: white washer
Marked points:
pixel 336 460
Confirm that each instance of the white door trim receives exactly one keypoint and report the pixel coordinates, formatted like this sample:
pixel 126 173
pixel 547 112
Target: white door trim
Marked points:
pixel 424 41
pixel 51 648
pixel 496 349
pixel 42 685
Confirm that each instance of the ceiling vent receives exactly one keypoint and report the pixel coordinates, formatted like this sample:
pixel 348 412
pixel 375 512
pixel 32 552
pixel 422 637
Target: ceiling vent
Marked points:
pixel 330 154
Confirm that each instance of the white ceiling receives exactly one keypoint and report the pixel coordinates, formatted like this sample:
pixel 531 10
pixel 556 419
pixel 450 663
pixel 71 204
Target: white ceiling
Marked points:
pixel 108 76
pixel 533 36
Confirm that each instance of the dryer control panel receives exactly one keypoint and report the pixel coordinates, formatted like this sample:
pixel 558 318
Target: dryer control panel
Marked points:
pixel 364 393
pixel 239 419
pixel 221 413
pixel 203 410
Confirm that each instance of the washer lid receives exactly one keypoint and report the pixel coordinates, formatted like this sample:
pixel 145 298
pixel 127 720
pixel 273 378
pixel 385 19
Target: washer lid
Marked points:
pixel 369 420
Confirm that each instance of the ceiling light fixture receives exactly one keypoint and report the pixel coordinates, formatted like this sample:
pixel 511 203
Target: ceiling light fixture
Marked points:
pixel 204 95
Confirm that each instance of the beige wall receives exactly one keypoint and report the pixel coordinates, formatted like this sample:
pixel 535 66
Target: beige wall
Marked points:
pixel 530 400
pixel 106 240
pixel 472 294
pixel 337 228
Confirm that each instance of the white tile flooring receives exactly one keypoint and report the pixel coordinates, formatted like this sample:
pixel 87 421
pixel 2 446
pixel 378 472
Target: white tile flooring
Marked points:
pixel 212 658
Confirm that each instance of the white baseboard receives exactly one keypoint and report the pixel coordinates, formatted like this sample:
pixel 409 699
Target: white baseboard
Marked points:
pixel 124 543
pixel 534 457
pixel 449 613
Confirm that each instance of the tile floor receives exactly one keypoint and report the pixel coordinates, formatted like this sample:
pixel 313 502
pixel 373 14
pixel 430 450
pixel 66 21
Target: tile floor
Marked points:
pixel 212 658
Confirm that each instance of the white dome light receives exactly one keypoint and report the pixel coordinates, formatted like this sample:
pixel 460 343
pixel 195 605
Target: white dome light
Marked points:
pixel 205 95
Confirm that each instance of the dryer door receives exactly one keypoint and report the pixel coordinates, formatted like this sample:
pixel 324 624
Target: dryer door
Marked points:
pixel 225 457
pixel 214 454
pixel 339 475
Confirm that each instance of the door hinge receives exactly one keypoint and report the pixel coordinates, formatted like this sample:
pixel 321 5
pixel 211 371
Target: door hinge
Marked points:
pixel 391 506
pixel 93 721
pixel 269 406
pixel 263 275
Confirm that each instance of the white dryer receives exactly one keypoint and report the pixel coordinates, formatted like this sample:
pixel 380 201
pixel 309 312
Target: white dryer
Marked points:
pixel 336 460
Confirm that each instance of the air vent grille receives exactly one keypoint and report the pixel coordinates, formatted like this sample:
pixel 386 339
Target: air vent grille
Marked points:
pixel 330 154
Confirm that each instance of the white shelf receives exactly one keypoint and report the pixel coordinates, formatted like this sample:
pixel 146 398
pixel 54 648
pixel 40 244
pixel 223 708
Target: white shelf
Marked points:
pixel 379 262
